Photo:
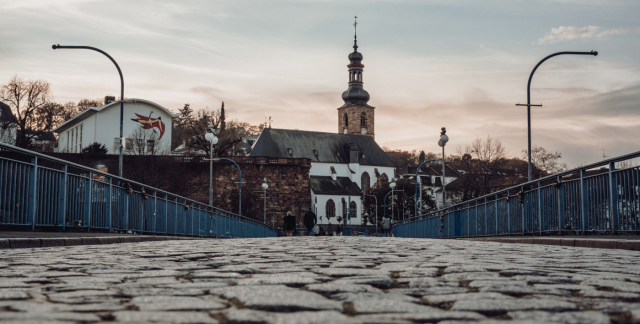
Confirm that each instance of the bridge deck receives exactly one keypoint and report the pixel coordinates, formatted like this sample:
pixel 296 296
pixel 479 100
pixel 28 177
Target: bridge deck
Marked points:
pixel 320 280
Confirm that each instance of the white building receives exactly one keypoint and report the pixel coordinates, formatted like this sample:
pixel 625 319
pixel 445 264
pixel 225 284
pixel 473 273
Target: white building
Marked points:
pixel 341 166
pixel 146 127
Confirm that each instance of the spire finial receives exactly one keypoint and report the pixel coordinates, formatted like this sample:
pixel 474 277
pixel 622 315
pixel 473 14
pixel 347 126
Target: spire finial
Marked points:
pixel 355 33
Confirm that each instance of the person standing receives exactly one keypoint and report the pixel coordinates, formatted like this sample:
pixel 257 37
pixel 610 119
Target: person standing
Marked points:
pixel 310 220
pixel 289 223
pixel 339 231
pixel 386 225
pixel 330 229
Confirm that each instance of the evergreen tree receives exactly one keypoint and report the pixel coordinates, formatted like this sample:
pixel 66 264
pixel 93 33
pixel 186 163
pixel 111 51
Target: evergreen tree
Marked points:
pixel 222 118
pixel 422 157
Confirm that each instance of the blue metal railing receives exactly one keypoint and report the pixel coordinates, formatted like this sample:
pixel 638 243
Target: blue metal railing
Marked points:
pixel 572 201
pixel 71 195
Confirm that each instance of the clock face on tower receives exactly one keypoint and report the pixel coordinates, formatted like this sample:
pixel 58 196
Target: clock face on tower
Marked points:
pixel 364 131
pixel 345 131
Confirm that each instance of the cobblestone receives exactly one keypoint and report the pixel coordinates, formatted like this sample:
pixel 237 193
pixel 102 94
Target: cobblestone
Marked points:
pixel 319 280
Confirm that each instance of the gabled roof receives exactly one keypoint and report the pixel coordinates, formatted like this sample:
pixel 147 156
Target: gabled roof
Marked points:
pixel 6 115
pixel 318 147
pixel 342 186
pixel 93 110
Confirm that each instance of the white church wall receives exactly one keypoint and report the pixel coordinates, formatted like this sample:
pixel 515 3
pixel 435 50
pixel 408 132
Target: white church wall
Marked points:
pixel 321 205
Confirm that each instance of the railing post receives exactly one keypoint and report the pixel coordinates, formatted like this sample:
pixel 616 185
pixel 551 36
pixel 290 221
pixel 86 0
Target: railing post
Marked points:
pixel 65 193
pixel 509 222
pixel 613 198
pixel 477 221
pixel 87 199
pixel 155 210
pixel 109 203
pixel 561 209
pixel 540 224
pixel 33 193
pixel 497 210
pixel 126 210
pixel 166 215
pixel 486 217
pixel 175 216
pixel 192 212
pixel 584 203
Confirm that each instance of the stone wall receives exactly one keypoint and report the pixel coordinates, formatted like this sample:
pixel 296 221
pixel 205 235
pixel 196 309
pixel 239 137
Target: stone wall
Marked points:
pixel 288 180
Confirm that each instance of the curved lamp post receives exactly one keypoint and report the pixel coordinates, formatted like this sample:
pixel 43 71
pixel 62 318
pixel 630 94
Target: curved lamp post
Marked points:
pixel 594 53
pixel 442 142
pixel 121 93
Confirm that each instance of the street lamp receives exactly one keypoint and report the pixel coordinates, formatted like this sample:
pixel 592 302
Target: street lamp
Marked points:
pixel 265 186
pixel 213 140
pixel 121 94
pixel 594 53
pixel 442 142
pixel 393 195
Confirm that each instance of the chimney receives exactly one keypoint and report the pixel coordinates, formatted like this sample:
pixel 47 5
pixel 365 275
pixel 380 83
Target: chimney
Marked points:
pixel 109 99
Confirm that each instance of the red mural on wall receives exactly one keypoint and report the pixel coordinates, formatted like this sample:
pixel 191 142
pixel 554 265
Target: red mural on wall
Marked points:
pixel 150 123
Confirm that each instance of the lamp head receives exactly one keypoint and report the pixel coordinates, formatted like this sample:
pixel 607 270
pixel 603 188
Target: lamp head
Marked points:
pixel 265 186
pixel 392 185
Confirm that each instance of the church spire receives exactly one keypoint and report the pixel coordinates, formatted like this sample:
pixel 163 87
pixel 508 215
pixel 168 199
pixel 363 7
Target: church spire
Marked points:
pixel 355 34
pixel 355 94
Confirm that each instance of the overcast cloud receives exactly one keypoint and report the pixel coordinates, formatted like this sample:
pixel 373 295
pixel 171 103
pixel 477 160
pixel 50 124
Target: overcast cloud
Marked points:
pixel 459 64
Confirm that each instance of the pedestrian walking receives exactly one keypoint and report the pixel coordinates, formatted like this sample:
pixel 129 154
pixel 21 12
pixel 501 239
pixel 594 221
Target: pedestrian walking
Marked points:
pixel 330 229
pixel 289 223
pixel 386 225
pixel 339 230
pixel 310 220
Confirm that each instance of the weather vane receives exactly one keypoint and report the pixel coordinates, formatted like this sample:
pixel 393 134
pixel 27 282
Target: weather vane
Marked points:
pixel 355 25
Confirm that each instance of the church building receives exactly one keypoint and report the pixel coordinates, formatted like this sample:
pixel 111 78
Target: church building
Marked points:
pixel 342 163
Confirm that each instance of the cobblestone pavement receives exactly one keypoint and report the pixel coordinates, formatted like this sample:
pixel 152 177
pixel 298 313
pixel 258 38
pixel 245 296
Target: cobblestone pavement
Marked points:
pixel 320 280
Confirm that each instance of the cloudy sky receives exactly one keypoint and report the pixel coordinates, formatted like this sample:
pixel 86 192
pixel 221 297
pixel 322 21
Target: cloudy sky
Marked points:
pixel 460 64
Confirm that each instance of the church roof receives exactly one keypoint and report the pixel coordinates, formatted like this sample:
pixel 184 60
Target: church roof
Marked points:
pixel 343 186
pixel 318 147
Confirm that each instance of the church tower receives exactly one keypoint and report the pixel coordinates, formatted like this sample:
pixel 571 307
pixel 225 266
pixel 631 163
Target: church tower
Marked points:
pixel 356 117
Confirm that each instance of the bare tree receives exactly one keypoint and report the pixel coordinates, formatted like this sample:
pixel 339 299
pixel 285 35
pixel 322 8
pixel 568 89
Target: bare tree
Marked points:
pixel 195 128
pixel 482 165
pixel 27 98
pixel 70 110
pixel 146 142
pixel 85 104
pixel 546 162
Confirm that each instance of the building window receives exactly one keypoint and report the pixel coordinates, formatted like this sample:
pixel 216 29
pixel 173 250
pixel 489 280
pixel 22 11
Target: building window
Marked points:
pixel 363 120
pixel 365 181
pixel 354 209
pixel 346 119
pixel 384 178
pixel 330 208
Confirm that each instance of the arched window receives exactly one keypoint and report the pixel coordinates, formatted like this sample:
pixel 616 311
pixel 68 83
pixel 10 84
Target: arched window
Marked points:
pixel 363 120
pixel 365 181
pixel 354 209
pixel 384 178
pixel 330 209
pixel 346 119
